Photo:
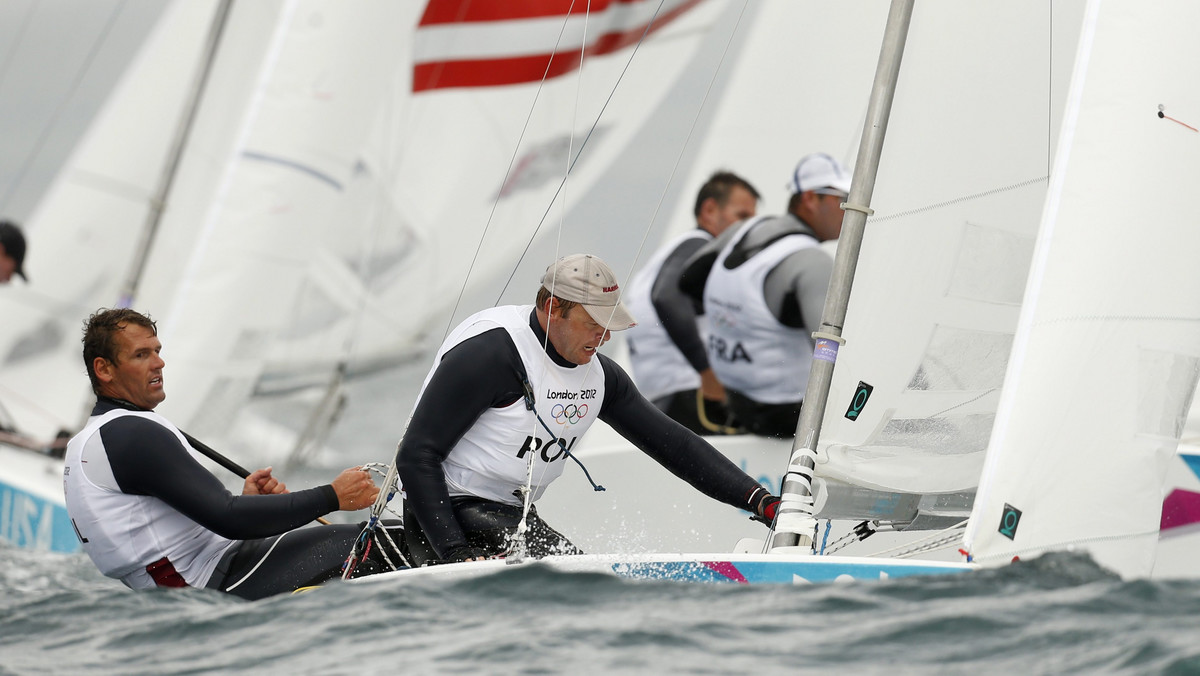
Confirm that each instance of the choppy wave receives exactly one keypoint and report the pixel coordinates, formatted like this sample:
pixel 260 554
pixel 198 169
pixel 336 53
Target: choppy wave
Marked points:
pixel 1055 615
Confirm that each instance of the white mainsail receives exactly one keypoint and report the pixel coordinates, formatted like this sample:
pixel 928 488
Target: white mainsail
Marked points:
pixel 1108 351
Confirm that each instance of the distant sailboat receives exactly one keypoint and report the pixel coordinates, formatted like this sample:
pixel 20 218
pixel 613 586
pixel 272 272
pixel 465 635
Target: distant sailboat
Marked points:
pixel 321 210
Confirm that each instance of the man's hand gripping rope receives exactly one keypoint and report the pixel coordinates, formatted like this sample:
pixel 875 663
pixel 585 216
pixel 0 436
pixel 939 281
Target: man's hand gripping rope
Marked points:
pixel 366 539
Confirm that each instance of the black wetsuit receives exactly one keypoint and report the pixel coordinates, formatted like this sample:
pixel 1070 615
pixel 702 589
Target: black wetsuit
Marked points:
pixel 148 459
pixel 486 371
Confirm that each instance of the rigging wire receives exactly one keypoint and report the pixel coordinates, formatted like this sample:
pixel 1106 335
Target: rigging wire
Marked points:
pixel 1050 86
pixel 582 145
pixel 687 139
pixel 678 158
pixel 508 172
pixel 519 543
pixel 526 493
pixel 390 485
pixel 646 232
pixel 935 540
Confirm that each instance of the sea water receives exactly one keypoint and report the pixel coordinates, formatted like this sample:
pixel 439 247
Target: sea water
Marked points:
pixel 1056 615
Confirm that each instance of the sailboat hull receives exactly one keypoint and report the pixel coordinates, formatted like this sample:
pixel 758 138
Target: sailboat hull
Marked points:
pixel 715 568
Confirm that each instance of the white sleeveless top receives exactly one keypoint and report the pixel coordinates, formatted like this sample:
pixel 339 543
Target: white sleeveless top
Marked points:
pixel 124 533
pixel 659 368
pixel 490 460
pixel 749 349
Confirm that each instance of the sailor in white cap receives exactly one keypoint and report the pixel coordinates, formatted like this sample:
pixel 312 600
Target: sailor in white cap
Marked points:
pixel 511 391
pixel 763 288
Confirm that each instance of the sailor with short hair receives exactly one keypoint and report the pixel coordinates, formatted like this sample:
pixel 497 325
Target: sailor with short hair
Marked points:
pixel 149 514
pixel 667 350
pixel 511 392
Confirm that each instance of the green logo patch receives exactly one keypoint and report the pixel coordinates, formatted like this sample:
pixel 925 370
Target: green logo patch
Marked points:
pixel 1009 518
pixel 861 394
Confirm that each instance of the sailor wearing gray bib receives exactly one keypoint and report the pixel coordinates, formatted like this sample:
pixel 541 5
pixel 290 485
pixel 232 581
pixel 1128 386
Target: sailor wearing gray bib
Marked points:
pixel 763 287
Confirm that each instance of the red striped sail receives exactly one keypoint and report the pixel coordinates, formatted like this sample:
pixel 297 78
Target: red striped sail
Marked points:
pixel 485 43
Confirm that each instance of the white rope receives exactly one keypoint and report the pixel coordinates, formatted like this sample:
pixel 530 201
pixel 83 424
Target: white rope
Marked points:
pixel 382 470
pixel 948 535
pixel 260 562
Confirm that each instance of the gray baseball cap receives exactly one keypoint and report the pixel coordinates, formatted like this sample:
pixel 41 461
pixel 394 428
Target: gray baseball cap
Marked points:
pixel 587 280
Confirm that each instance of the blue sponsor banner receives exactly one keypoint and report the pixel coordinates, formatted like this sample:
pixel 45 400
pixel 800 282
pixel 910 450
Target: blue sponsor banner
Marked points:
pixel 816 569
pixel 33 522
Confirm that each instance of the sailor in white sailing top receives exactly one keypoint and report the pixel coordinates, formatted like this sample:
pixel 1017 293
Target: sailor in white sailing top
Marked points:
pixel 518 385
pixel 149 514
pixel 666 349
pixel 763 287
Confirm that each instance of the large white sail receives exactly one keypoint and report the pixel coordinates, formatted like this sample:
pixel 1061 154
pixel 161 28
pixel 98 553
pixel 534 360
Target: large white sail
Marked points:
pixel 271 152
pixel 1108 352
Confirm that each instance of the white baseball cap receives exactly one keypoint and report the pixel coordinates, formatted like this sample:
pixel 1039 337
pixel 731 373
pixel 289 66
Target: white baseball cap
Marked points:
pixel 822 174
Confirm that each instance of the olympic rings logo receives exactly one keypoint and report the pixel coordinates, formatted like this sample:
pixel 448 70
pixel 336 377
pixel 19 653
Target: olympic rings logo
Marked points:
pixel 569 413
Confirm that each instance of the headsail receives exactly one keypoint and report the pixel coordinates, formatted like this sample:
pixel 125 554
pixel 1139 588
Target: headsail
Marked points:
pixel 1108 349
